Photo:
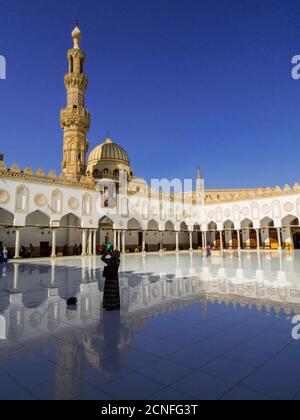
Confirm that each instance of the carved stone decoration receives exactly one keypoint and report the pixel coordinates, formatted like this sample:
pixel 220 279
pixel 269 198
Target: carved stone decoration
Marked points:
pixel 40 200
pixel 73 203
pixel 15 168
pixel 52 174
pixel 266 209
pixel 41 173
pixel 288 207
pixel 227 212
pixel 296 187
pixel 4 197
pixel 245 211
pixel 28 171
pixel 211 214
pixel 3 166
pixel 287 189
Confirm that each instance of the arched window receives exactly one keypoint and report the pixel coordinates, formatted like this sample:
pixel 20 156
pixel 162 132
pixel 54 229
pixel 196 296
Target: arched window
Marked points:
pixel 22 196
pixel 56 202
pixel 86 205
pixel 71 65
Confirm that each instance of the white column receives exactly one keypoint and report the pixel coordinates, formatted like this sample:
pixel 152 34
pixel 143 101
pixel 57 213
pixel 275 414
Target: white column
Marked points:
pixel 239 239
pixel 90 250
pixel 205 240
pixel 115 239
pixel 16 277
pixel 161 241
pixel 257 239
pixel 144 241
pixel 229 237
pixel 84 242
pixel 17 243
pixel 119 241
pixel 123 241
pixel 221 239
pixel 191 241
pixel 53 253
pixel 95 242
pixel 177 241
pixel 279 238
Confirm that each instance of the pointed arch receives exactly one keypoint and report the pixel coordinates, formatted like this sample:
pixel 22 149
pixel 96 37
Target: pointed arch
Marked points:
pixel 169 226
pixel 37 219
pixel 153 225
pixel 290 220
pixel 6 217
pixel 228 225
pixel 70 220
pixel 183 227
pixel 267 222
pixel 106 223
pixel 212 226
pixel 247 224
pixel 134 224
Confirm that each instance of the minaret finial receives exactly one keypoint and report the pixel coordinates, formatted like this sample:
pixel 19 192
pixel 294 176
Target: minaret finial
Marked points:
pixel 198 172
pixel 76 35
pixel 76 22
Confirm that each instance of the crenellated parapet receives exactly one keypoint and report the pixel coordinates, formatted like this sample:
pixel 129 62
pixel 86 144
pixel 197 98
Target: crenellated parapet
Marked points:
pixel 40 177
pixel 226 196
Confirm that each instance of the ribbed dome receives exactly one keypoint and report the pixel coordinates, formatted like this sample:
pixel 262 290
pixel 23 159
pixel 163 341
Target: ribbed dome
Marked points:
pixel 108 151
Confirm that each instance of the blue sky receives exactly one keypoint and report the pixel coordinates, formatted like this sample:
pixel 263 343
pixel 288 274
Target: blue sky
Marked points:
pixel 176 82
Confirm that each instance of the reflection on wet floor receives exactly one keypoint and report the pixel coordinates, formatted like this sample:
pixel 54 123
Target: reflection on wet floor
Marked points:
pixel 189 328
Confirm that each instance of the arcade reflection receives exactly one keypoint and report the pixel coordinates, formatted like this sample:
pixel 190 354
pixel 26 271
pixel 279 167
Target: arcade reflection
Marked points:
pixel 90 345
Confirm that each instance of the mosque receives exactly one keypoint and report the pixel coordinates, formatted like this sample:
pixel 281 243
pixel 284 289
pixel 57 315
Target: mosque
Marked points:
pixel 98 199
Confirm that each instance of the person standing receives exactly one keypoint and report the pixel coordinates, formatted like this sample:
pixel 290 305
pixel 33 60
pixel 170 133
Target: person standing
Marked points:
pixel 5 255
pixel 111 299
pixel 208 250
pixel 31 251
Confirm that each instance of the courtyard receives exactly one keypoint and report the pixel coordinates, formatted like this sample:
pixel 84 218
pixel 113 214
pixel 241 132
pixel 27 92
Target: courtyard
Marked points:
pixel 190 328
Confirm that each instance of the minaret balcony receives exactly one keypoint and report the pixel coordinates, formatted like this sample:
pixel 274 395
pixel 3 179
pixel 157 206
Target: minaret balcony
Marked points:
pixel 75 117
pixel 79 81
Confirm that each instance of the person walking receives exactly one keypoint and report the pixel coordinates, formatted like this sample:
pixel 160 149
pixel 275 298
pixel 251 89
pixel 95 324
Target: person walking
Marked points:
pixel 208 250
pixel 111 299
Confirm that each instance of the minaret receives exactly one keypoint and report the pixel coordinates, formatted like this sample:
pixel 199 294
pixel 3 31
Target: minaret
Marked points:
pixel 75 119
pixel 199 187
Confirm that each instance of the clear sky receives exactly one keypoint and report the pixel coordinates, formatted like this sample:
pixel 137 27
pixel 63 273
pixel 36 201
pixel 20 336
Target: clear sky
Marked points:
pixel 176 82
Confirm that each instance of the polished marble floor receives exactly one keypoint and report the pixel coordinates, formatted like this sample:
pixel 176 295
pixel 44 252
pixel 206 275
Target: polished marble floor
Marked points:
pixel 189 328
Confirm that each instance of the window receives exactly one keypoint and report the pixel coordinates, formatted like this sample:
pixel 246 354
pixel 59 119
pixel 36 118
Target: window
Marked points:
pixel 71 65
pixel 21 199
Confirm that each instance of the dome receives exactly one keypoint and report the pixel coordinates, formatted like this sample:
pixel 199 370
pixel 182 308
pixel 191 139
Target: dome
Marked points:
pixel 107 160
pixel 108 151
